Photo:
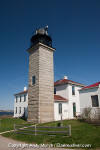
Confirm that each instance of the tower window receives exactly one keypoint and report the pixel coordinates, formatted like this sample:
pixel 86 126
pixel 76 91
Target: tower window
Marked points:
pixel 33 80
pixel 60 108
pixel 54 90
pixel 95 102
pixel 73 90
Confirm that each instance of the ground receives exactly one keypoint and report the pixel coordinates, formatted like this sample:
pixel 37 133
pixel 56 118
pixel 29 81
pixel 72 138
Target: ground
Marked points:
pixel 82 133
pixel 9 144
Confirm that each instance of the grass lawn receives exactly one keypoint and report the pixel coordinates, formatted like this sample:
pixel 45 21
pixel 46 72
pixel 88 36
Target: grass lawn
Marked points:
pixel 82 133
pixel 8 123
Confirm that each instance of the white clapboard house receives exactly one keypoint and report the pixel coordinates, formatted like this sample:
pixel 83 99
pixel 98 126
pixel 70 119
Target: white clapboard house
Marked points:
pixel 66 100
pixel 90 100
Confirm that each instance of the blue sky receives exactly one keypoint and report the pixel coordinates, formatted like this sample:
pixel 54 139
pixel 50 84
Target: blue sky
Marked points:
pixel 74 26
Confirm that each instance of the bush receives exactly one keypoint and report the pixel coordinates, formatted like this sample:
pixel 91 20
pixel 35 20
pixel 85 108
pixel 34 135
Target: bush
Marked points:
pixel 59 124
pixel 23 117
pixel 86 113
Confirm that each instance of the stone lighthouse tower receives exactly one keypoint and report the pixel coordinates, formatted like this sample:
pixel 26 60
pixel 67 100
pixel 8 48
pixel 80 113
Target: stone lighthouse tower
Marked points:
pixel 41 78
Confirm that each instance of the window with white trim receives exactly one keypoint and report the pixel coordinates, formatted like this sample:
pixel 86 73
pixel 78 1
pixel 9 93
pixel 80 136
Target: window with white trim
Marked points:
pixel 24 97
pixel 16 110
pixel 20 98
pixel 19 110
pixel 24 110
pixel 73 90
pixel 95 102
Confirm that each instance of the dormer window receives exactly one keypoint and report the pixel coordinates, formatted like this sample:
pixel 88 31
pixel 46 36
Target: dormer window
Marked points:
pixel 73 90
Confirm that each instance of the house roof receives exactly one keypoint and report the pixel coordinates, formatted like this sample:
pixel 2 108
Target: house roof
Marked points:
pixel 23 92
pixel 56 97
pixel 91 86
pixel 66 81
pixel 60 98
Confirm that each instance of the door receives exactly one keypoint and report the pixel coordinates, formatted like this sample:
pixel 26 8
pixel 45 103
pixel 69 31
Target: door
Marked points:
pixel 74 109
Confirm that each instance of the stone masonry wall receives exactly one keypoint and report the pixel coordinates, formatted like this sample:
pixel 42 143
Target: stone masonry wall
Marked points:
pixel 33 90
pixel 46 85
pixel 41 95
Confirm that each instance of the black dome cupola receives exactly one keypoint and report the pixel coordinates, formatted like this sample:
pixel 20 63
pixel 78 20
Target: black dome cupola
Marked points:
pixel 41 36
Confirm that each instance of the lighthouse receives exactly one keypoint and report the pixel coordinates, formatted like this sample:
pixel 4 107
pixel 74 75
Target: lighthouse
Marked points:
pixel 41 78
